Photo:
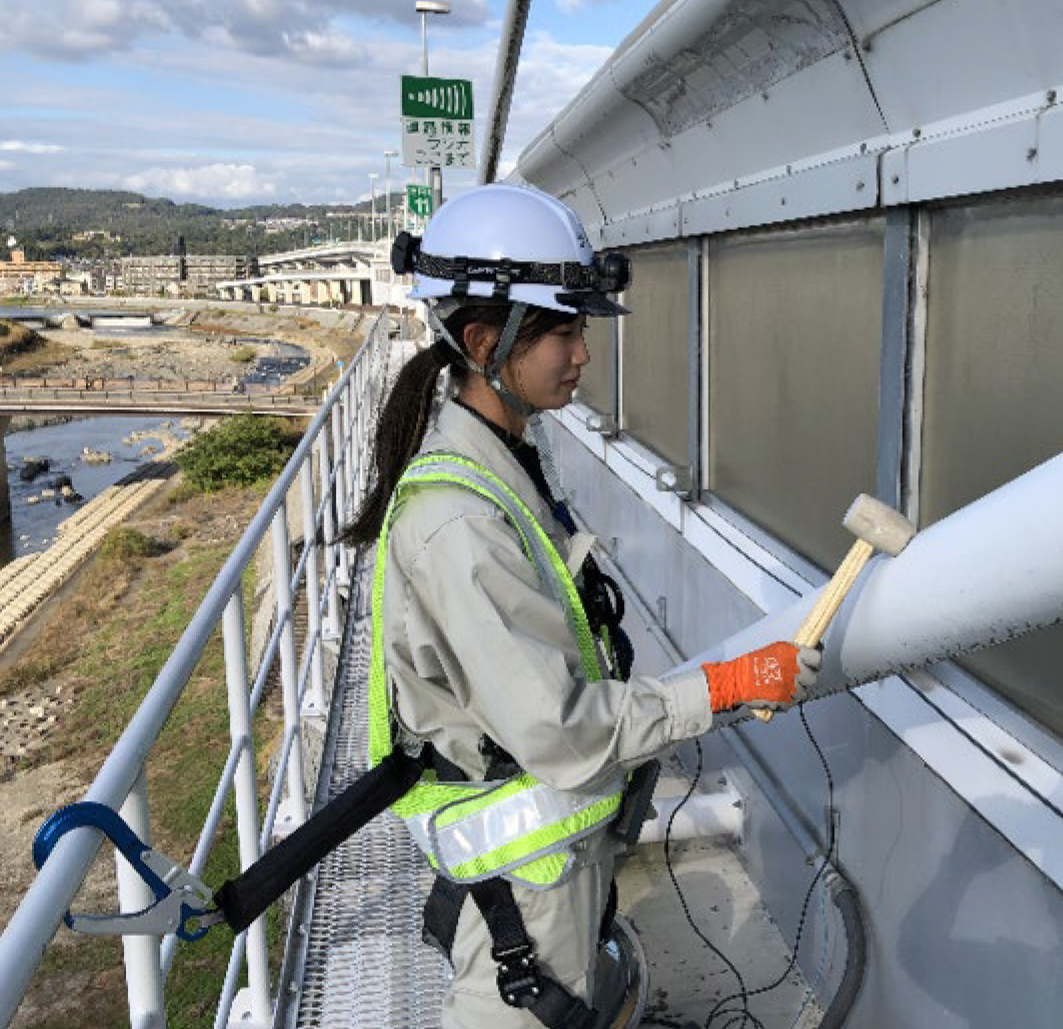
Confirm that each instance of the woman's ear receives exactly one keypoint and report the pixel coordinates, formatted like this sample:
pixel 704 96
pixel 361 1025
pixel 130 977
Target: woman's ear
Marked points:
pixel 480 341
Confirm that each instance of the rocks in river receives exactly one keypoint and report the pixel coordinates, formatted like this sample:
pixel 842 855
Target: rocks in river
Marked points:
pixel 32 467
pixel 90 456
pixel 62 482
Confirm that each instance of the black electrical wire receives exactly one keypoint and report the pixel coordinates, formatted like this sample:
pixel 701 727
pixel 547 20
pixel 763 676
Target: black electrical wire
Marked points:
pixel 747 1018
pixel 739 1016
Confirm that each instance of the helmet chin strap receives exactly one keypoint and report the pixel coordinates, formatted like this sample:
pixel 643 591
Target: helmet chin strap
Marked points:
pixel 492 372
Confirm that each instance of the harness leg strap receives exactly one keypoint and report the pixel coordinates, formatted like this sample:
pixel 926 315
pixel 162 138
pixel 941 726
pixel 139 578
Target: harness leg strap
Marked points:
pixel 441 913
pixel 521 983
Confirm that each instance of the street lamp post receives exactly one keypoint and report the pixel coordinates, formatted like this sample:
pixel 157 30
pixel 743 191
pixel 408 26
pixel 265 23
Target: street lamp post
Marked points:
pixel 373 176
pixel 424 8
pixel 388 155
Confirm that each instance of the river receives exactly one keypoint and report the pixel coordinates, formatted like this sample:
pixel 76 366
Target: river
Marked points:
pixel 34 523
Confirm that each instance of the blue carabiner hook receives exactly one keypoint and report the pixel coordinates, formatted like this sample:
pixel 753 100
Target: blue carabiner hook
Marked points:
pixel 89 814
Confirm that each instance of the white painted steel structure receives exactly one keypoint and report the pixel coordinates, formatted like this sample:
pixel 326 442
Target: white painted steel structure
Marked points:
pixel 717 115
pixel 725 123
pixel 319 480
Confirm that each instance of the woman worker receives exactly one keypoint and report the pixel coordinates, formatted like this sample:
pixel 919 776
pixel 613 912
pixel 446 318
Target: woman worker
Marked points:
pixel 491 658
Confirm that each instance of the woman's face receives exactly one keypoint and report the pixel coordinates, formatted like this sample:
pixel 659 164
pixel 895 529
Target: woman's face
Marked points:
pixel 547 373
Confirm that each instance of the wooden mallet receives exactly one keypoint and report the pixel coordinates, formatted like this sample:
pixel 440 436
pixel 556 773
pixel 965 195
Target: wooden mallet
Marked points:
pixel 876 527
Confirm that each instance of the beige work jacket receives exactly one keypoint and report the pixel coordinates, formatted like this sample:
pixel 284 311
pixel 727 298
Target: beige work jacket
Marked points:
pixel 475 645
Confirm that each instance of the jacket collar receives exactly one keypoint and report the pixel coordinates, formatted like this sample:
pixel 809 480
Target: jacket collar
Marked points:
pixel 458 431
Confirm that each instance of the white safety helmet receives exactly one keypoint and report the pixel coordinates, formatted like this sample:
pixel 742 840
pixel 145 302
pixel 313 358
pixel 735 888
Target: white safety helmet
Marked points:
pixel 511 244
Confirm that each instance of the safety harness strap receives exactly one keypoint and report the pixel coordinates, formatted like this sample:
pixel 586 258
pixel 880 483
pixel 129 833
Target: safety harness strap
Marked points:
pixel 521 982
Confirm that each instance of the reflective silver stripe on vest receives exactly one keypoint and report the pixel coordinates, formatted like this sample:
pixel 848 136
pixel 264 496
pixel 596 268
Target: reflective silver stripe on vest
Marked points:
pixel 455 843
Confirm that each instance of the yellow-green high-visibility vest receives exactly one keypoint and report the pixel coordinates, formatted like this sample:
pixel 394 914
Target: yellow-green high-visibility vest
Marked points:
pixel 466 828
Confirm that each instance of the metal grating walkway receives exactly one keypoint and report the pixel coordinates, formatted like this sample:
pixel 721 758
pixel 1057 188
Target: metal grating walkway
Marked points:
pixel 366 967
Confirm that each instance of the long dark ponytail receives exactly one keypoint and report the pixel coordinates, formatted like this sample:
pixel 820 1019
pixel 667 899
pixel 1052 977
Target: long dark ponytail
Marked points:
pixel 404 420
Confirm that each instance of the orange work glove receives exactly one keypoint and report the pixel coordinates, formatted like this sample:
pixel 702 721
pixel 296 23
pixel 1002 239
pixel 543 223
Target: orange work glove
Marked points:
pixel 773 677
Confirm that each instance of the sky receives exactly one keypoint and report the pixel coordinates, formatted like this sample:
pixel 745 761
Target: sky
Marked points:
pixel 238 102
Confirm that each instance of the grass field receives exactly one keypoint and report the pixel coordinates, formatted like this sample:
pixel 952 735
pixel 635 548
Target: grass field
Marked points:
pixel 104 643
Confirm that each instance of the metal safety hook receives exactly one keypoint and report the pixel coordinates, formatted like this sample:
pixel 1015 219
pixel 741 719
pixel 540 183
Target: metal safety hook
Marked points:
pixel 182 902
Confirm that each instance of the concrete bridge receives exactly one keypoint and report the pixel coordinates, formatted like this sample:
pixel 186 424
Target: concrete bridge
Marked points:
pixel 24 395
pixel 335 273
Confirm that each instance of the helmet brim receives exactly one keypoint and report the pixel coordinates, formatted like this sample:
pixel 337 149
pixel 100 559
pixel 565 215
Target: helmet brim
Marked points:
pixel 592 304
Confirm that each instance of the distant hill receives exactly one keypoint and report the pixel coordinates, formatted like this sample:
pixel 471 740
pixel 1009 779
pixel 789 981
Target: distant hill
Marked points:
pixel 52 223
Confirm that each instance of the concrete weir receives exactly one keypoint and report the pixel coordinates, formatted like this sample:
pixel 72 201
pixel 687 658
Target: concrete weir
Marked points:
pixel 26 583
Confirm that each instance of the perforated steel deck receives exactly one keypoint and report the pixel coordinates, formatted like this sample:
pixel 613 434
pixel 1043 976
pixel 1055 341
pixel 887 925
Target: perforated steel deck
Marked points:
pixel 366 967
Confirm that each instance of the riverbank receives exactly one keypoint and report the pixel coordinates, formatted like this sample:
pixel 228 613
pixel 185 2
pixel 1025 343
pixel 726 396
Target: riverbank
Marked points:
pixel 92 655
pixel 204 343
pixel 76 673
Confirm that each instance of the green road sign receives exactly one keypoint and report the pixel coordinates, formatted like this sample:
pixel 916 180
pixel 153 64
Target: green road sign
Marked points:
pixel 419 200
pixel 437 123
pixel 436 98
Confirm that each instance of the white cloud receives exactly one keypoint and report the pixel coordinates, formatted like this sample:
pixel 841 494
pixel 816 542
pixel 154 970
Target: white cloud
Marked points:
pixel 230 182
pixel 6 165
pixel 571 6
pixel 82 30
pixel 29 148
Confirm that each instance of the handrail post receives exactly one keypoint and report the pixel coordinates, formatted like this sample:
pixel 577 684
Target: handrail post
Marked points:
pixel 348 439
pixel 315 701
pixel 247 828
pixel 339 460
pixel 143 969
pixel 293 812
pixel 324 471
pixel 362 413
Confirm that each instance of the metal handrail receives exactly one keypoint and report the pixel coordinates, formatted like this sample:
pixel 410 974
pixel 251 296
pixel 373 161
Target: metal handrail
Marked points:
pixel 334 439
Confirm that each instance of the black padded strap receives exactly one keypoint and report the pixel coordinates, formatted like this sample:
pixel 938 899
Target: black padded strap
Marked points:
pixel 441 913
pixel 521 983
pixel 242 899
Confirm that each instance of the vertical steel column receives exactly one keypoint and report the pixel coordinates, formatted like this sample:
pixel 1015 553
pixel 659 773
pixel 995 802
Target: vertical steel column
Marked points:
pixel 339 490
pixel 324 471
pixel 898 272
pixel 247 827
pixel 143 970
pixel 295 805
pixel 314 704
pixel 694 364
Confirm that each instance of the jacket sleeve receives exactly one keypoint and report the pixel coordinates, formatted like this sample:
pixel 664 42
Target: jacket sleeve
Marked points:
pixel 512 663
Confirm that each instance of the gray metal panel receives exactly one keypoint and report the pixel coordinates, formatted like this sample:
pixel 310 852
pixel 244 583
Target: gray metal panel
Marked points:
pixel 794 365
pixel 656 371
pixel 993 388
pixel 597 387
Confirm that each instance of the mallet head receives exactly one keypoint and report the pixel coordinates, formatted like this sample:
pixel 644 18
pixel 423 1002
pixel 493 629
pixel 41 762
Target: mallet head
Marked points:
pixel 877 523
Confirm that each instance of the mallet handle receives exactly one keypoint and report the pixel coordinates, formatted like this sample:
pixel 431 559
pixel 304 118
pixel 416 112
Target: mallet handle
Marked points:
pixel 826 607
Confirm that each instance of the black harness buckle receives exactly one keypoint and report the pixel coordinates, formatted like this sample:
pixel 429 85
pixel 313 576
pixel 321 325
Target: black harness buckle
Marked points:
pixel 519 981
